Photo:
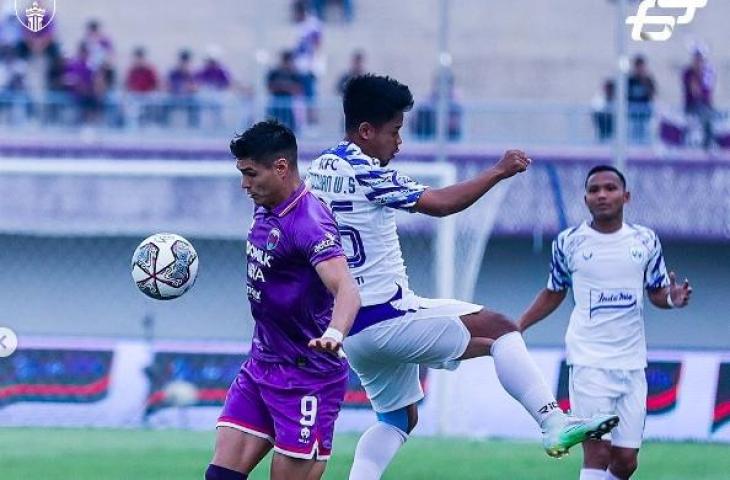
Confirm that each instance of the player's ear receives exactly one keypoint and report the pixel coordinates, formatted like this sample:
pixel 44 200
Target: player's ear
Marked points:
pixel 366 130
pixel 281 165
pixel 627 196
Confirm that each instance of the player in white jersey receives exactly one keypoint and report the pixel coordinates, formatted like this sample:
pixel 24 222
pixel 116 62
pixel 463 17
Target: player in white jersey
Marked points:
pixel 608 264
pixel 396 330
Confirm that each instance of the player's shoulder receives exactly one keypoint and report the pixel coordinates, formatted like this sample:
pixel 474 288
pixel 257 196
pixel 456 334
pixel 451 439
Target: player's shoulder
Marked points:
pixel 570 238
pixel 346 154
pixel 643 234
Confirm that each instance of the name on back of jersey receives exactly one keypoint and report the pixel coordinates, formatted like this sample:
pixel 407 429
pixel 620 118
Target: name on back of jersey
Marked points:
pixel 331 184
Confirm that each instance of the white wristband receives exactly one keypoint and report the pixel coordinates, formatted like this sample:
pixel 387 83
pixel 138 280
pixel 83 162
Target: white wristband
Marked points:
pixel 669 300
pixel 334 334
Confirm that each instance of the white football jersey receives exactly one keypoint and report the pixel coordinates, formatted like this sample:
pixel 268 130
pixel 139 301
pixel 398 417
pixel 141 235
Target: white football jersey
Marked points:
pixel 363 197
pixel 608 273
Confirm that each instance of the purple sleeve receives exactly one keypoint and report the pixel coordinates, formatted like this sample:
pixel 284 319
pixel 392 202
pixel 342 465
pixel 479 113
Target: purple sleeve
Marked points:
pixel 318 237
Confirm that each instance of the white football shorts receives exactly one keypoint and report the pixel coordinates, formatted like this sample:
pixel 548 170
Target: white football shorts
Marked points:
pixel 619 392
pixel 386 355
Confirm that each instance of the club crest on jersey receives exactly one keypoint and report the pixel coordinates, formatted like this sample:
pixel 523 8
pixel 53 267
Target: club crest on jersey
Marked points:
pixel 637 254
pixel 587 255
pixel 273 240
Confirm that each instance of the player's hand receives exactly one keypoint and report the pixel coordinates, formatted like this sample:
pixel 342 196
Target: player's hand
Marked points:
pixel 680 293
pixel 512 163
pixel 326 344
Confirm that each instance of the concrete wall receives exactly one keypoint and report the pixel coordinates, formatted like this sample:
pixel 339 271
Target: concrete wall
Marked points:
pixel 521 49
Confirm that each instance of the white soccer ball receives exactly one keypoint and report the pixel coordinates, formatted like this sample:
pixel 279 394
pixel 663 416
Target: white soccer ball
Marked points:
pixel 164 266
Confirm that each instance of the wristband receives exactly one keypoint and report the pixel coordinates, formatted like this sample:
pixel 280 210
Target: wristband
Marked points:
pixel 334 334
pixel 669 300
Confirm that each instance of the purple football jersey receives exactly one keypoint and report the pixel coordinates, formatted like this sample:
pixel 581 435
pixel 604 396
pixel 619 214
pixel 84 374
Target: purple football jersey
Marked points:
pixel 289 302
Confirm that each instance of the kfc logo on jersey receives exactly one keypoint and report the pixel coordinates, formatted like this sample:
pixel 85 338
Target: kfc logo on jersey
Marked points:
pixel 612 299
pixel 667 22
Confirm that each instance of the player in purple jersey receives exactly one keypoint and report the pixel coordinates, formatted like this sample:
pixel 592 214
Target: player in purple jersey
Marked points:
pixel 303 301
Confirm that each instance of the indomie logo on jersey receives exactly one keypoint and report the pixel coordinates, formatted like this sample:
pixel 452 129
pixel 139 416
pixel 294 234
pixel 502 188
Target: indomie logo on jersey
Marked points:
pixel 613 299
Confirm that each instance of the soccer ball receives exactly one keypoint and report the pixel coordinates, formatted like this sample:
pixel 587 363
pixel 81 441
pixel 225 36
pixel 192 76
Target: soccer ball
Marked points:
pixel 164 266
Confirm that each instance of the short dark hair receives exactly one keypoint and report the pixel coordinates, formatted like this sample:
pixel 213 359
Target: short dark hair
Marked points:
pixel 265 142
pixel 374 99
pixel 606 168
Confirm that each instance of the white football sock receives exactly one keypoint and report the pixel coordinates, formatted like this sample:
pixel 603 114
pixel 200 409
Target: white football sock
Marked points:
pixel 520 377
pixel 375 449
pixel 610 476
pixel 592 474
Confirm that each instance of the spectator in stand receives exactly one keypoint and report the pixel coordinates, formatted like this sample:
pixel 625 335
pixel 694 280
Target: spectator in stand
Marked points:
pixel 182 87
pixel 307 54
pixel 603 105
pixel 321 6
pixel 213 76
pixel 424 124
pixel 699 82
pixel 285 86
pixel 641 91
pixel 357 68
pixel 142 76
pixel 99 46
pixel 79 79
pixel 12 71
pixel 141 82
pixel 11 30
pixel 213 79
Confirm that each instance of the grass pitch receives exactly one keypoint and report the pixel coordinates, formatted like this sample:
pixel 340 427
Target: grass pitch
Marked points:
pixel 155 455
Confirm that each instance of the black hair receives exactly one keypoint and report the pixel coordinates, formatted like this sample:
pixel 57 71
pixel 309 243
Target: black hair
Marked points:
pixel 606 168
pixel 266 142
pixel 374 99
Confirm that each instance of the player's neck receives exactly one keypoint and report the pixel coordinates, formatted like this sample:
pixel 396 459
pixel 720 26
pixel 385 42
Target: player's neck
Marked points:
pixel 607 226
pixel 354 139
pixel 291 186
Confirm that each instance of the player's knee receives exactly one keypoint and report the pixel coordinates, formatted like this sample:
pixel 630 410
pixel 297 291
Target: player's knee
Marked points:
pixel 214 472
pixel 489 324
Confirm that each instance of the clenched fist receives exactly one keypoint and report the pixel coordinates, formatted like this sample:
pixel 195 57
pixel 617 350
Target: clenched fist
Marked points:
pixel 512 163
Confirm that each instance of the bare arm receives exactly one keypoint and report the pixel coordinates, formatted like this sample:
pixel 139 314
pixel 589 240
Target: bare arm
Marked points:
pixel 445 201
pixel 544 304
pixel 680 294
pixel 335 275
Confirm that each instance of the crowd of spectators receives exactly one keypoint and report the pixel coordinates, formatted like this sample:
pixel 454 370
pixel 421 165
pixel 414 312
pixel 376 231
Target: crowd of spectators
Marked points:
pixel 42 81
pixel 694 127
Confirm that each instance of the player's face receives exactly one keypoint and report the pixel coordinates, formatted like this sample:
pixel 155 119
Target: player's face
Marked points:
pixel 265 185
pixel 605 196
pixel 383 141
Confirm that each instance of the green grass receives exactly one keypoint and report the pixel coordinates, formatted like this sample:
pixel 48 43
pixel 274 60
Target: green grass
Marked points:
pixel 180 455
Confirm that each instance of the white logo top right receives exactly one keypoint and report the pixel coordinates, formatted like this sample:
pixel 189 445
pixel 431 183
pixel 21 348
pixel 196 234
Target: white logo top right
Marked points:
pixel 667 22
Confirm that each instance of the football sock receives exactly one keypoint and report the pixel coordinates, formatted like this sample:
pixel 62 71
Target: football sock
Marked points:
pixel 520 377
pixel 592 474
pixel 610 476
pixel 375 449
